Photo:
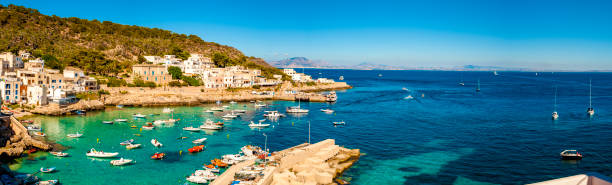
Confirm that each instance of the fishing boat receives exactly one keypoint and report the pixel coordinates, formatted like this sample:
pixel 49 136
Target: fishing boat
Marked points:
pixel 192 129
pixel 139 115
pixel 59 154
pixel 341 78
pixel 40 134
pixel 555 115
pixel 107 122
pixel 198 141
pixel 47 182
pixel 478 86
pixel 196 179
pixel 339 123
pixel 158 156
pixel 148 126
pixel 590 110
pixel 167 110
pixel 132 146
pixel 216 109
pixel 121 120
pixel 47 170
pixel 196 149
pixel 34 128
pixel 127 142
pixel 156 143
pixel 77 135
pixel 211 168
pixel 570 155
pixel 258 125
pixel 101 154
pixel 121 162
pixel 329 111
pixel 273 114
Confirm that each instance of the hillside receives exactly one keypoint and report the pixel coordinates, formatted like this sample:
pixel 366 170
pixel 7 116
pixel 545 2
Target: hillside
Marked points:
pixel 102 47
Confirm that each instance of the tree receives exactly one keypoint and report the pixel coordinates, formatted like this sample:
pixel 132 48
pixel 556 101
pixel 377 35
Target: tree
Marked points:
pixel 52 62
pixel 175 72
pixel 141 59
pixel 179 53
pixel 221 59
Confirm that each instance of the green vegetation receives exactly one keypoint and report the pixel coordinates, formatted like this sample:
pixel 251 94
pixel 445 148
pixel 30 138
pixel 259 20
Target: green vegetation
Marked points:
pixel 192 81
pixel 141 83
pixel 105 48
pixel 175 83
pixel 311 83
pixel 91 95
pixel 175 72
pixel 115 82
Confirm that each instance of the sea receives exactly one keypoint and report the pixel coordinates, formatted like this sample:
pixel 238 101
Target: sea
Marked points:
pixel 412 127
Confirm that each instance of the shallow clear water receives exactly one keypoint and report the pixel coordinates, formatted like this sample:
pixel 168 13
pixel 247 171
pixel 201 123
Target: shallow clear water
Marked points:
pixel 448 134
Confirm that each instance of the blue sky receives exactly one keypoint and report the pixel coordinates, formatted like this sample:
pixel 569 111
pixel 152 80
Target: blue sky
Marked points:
pixel 537 34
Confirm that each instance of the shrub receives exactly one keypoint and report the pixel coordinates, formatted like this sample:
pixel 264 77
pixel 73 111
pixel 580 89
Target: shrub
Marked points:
pixel 123 92
pixel 102 91
pixel 202 90
pixel 115 82
pixel 175 83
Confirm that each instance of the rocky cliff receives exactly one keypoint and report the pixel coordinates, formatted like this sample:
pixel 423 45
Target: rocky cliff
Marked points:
pixel 14 138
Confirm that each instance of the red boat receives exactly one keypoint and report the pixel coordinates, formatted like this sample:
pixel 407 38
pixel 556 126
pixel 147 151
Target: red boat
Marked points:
pixel 158 155
pixel 219 123
pixel 32 150
pixel 196 149
pixel 217 162
pixel 27 121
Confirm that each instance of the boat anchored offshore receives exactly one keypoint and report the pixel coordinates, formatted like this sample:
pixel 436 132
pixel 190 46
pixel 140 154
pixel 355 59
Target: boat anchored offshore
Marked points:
pixel 555 115
pixel 77 135
pixel 273 114
pixel 59 154
pixel 156 143
pixel 167 110
pixel 47 170
pixel 139 115
pixel 259 125
pixel 209 125
pixel 107 122
pixel 158 156
pixel 198 141
pixel 132 146
pixel 121 120
pixel 127 142
pixel 34 128
pixel 191 129
pixel 339 123
pixel 47 182
pixel 101 154
pixel 590 110
pixel 571 155
pixel 331 97
pixel 121 162
pixel 196 149
pixel 329 111
pixel 296 109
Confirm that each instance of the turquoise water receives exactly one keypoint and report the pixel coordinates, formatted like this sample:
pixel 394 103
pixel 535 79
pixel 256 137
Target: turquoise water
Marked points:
pixel 448 134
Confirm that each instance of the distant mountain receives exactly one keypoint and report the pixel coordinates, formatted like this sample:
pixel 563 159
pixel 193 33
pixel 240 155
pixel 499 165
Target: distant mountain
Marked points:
pixel 299 62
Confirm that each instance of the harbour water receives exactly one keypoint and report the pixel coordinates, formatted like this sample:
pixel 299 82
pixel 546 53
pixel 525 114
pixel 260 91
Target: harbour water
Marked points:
pixel 447 134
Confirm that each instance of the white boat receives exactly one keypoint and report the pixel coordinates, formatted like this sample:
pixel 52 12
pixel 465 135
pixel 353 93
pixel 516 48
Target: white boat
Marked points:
pixel 235 157
pixel 127 142
pixel 132 146
pixel 339 123
pixel 121 162
pixel 341 78
pixel 206 174
pixel 197 179
pixel 296 109
pixel 258 125
pixel 94 153
pixel 139 115
pixel 233 102
pixel 47 170
pixel 495 73
pixel 225 106
pixel 260 105
pixel 209 111
pixel 329 111
pixel 210 127
pixel 77 135
pixel 162 122
pixel 198 141
pixel 214 170
pixel 590 110
pixel 216 109
pixel 121 120
pixel 59 154
pixel 409 97
pixel 230 116
pixel 156 143
pixel 107 122
pixel 478 87
pixel 47 182
pixel 555 115
pixel 240 111
pixel 273 114
pixel 34 128
pixel 40 134
pixel 119 106
pixel 192 129
pixel 167 110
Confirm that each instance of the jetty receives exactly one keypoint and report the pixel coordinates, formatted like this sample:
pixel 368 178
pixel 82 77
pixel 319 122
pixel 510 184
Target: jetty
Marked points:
pixel 318 163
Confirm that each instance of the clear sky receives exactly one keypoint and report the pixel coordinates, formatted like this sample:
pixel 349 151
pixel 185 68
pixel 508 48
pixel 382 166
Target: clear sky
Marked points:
pixel 537 34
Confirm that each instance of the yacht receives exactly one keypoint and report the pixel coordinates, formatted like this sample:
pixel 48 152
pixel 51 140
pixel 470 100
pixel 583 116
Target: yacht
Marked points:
pixel 590 110
pixel 161 122
pixel 331 97
pixel 101 154
pixel 230 116
pixel 495 73
pixel 273 114
pixel 571 155
pixel 192 129
pixel 259 125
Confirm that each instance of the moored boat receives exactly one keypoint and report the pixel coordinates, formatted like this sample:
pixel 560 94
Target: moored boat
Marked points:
pixel 331 97
pixel 127 142
pixel 101 154
pixel 158 156
pixel 570 155
pixel 40 134
pixel 196 149
pixel 216 109
pixel 121 120
pixel 259 125
pixel 77 135
pixel 107 122
pixel 192 129
pixel 296 109
pixel 148 126
pixel 59 154
pixel 132 146
pixel 198 141
pixel 156 143
pixel 139 115
pixel 273 114
pixel 196 179
pixel 47 182
pixel 329 111
pixel 34 128
pixel 47 170
pixel 339 123
pixel 211 168
pixel 167 110
pixel 121 162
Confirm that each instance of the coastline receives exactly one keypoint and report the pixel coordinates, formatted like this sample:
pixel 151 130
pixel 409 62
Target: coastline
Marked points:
pixel 189 96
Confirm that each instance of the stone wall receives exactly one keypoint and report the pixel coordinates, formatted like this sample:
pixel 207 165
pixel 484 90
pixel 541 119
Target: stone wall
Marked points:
pixel 19 139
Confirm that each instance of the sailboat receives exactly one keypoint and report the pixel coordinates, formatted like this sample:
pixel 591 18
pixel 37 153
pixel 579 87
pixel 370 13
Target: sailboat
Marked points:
pixel 461 83
pixel 495 73
pixel 555 115
pixel 478 87
pixel 297 109
pixel 590 110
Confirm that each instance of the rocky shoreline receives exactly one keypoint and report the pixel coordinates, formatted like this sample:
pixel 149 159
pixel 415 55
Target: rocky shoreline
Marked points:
pixel 14 138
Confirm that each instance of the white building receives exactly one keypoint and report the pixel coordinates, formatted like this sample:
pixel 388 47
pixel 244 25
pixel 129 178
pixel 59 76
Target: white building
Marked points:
pixel 62 96
pixel 71 72
pixel 37 95
pixel 154 59
pixel 298 77
pixel 9 62
pixel 10 90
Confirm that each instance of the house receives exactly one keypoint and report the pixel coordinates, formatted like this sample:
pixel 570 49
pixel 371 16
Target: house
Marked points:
pixel 10 90
pixel 298 77
pixel 71 72
pixel 9 62
pixel 63 96
pixel 37 95
pixel 154 59
pixel 35 65
pixel 84 84
pixel 151 72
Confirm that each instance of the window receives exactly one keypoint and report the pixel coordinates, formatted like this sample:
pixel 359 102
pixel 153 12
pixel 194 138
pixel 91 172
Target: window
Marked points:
pixel 52 87
pixel 7 97
pixel 153 73
pixel 147 78
pixel 60 81
pixel 7 86
pixel 162 73
pixel 145 73
pixel 156 79
pixel 7 92
pixel 60 87
pixel 16 97
pixel 16 92
pixel 52 81
pixel 16 86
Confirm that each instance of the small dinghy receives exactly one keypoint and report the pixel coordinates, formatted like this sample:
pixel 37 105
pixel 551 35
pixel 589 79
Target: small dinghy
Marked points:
pixel 192 129
pixel 101 154
pixel 48 182
pixel 59 154
pixel 127 142
pixel 329 111
pixel 121 120
pixel 139 115
pixel 570 155
pixel 107 122
pixel 196 149
pixel 339 123
pixel 34 128
pixel 198 141
pixel 211 168
pixel 158 156
pixel 47 170
pixel 156 143
pixel 40 134
pixel 121 162
pixel 77 135
pixel 132 146
pixel 148 126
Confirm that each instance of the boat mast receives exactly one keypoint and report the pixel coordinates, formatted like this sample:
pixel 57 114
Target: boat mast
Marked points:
pixel 555 107
pixel 590 93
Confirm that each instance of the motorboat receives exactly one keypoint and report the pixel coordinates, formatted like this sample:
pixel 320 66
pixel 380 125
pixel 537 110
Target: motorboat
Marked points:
pixel 209 111
pixel 341 78
pixel 59 154
pixel 121 120
pixel 48 182
pixel 230 116
pixel 77 135
pixel 47 170
pixel 570 155
pixel 168 121
pixel 158 156
pixel 132 146
pixel 296 109
pixel 192 129
pixel 27 121
pixel 212 168
pixel 216 109
pixel 555 115
pixel 409 97
pixel 273 114
pixel 207 174
pixel 260 105
pixel 107 122
pixel 210 126
pixel 329 111
pixel 232 102
pixel 196 149
pixel 240 111
pixel 258 125
pixel 196 179
pixel 156 143
pixel 235 157
pixel 148 126
pixel 139 115
pixel 198 141
pixel 167 110
pixel 34 128
pixel 331 97
pixel 40 134
pixel 101 154
pixel 225 106
pixel 339 123
pixel 250 150
pixel 127 142
pixel 121 162
pixel 590 110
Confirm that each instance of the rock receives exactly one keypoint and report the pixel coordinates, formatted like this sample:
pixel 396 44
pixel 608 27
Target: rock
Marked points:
pixel 18 138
